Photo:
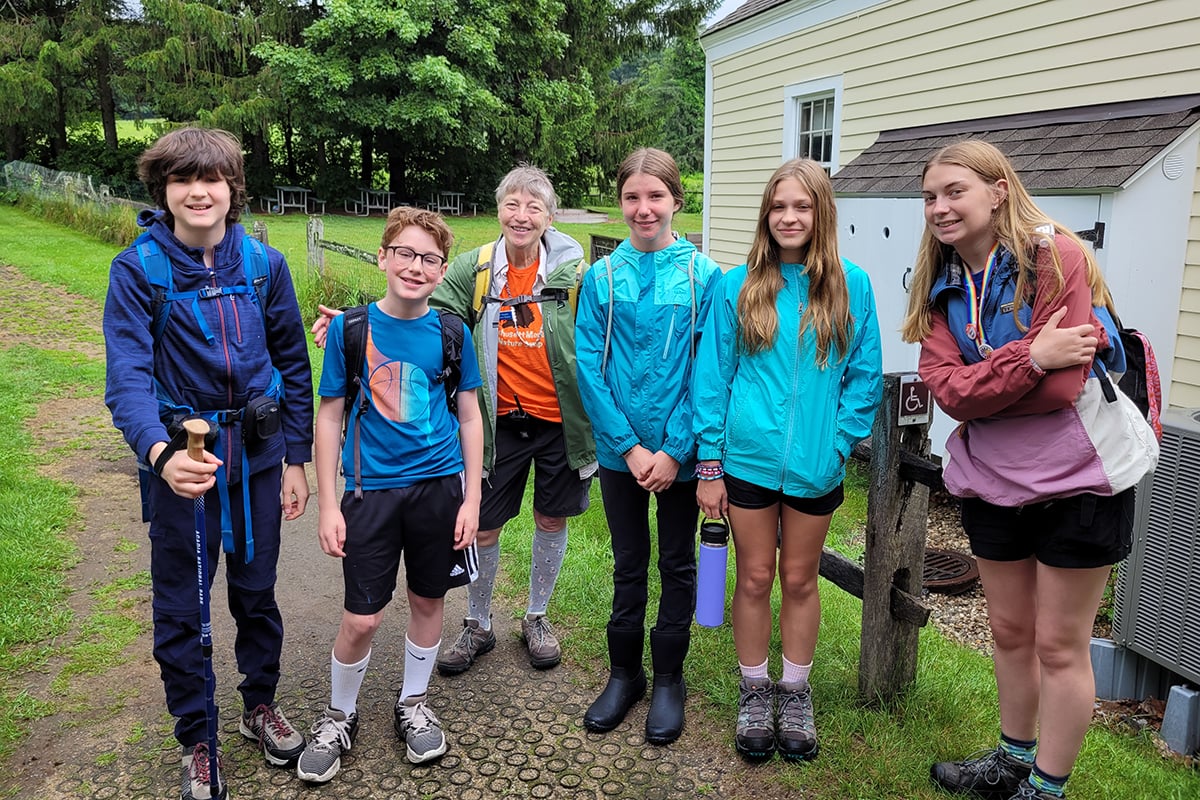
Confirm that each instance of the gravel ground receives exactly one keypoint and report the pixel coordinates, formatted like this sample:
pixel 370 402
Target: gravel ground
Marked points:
pixel 961 617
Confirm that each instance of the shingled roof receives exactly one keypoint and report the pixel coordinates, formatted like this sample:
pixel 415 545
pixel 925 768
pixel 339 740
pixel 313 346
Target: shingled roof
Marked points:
pixel 744 11
pixel 1085 148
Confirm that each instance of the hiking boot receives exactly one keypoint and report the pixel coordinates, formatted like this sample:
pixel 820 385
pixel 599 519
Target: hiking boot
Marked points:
pixel 419 729
pixel 1026 792
pixel 332 734
pixel 755 736
pixel 795 727
pixel 473 642
pixel 991 774
pixel 194 785
pixel 279 741
pixel 539 638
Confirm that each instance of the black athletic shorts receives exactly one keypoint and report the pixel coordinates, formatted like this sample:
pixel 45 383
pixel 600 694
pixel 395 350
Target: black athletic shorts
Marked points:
pixel 1078 532
pixel 416 522
pixel 744 494
pixel 558 491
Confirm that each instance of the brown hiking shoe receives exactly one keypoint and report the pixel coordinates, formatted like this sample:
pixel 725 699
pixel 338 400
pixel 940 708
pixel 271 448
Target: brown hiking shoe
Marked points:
pixel 473 642
pixel 538 635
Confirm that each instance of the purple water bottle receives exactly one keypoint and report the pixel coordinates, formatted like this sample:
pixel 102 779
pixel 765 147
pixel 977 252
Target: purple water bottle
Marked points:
pixel 710 585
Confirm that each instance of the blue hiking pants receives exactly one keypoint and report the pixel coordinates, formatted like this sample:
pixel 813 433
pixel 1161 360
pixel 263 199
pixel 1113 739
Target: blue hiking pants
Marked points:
pixel 251 596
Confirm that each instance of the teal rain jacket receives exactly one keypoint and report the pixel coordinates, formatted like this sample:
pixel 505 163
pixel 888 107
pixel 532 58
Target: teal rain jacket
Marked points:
pixel 774 418
pixel 634 376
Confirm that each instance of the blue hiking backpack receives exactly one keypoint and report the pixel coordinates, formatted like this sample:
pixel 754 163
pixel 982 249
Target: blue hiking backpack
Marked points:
pixel 157 268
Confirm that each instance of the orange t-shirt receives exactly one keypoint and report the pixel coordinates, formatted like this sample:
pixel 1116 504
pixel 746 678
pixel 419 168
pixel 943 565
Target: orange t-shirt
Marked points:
pixel 522 366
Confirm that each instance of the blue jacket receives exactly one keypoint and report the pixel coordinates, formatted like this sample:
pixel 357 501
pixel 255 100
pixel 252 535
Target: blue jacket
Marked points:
pixel 949 292
pixel 639 393
pixel 235 368
pixel 774 418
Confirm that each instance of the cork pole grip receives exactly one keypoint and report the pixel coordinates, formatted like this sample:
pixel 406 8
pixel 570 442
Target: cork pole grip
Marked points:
pixel 196 429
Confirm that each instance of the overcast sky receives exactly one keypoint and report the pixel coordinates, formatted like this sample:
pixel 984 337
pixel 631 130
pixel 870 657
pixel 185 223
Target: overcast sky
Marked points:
pixel 723 10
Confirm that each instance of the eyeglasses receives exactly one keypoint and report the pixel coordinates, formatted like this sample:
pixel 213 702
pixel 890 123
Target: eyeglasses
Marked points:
pixel 406 255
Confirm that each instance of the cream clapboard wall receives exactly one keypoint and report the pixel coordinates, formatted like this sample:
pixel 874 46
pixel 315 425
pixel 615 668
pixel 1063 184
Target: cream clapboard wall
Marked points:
pixel 906 63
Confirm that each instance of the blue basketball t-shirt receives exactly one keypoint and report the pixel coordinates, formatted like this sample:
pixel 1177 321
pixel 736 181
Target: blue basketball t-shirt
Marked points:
pixel 407 433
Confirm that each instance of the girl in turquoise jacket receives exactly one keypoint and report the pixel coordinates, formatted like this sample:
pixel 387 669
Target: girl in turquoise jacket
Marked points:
pixel 787 381
pixel 640 313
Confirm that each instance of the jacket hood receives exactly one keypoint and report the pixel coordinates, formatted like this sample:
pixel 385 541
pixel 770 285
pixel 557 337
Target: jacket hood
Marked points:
pixel 671 251
pixel 189 259
pixel 560 247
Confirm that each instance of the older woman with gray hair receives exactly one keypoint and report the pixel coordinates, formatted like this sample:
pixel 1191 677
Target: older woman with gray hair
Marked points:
pixel 517 295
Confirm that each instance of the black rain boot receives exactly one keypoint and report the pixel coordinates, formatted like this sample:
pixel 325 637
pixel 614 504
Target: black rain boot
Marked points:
pixel 664 723
pixel 626 683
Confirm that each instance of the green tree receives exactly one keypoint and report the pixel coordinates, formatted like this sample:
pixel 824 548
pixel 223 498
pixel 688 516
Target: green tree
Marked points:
pixel 201 67
pixel 635 75
pixel 448 92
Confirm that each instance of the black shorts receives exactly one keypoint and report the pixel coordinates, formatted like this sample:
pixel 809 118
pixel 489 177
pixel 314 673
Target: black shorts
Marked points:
pixel 558 491
pixel 416 522
pixel 744 494
pixel 1078 532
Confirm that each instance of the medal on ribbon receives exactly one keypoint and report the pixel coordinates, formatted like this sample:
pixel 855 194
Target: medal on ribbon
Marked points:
pixel 975 301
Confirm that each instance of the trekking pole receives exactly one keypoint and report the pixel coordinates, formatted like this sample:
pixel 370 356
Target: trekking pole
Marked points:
pixel 197 429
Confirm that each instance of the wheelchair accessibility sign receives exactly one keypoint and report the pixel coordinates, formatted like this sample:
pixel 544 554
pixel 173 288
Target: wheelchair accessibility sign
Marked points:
pixel 916 401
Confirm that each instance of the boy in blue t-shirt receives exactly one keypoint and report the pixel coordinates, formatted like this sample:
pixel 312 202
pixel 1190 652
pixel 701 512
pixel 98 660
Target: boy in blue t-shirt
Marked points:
pixel 236 355
pixel 420 486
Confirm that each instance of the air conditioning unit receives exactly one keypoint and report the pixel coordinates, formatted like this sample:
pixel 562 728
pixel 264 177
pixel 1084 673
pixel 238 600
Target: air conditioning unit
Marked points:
pixel 1157 601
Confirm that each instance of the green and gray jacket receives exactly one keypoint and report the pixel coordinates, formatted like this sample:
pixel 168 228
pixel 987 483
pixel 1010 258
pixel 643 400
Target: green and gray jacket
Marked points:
pixel 559 268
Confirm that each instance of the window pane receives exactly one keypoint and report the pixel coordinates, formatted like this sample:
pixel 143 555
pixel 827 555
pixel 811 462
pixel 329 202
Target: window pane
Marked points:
pixel 814 135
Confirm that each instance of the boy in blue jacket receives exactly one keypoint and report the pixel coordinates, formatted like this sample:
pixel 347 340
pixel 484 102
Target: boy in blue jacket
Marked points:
pixel 216 343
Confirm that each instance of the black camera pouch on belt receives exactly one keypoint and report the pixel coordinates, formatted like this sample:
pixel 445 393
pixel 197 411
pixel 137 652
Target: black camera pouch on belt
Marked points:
pixel 261 420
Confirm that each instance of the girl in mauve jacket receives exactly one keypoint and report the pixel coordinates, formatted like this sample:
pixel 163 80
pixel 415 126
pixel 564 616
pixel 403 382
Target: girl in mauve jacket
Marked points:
pixel 1011 310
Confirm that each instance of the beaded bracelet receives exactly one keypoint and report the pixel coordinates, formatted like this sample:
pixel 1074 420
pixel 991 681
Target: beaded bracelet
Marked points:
pixel 710 472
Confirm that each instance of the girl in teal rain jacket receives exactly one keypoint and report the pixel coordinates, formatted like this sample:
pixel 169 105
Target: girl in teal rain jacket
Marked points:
pixel 640 313
pixel 787 381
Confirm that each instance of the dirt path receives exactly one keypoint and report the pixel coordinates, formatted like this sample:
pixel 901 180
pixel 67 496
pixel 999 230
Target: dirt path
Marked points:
pixel 514 732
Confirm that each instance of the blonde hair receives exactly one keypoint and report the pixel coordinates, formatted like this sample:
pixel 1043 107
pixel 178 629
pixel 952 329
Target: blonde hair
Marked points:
pixel 827 311
pixel 1015 223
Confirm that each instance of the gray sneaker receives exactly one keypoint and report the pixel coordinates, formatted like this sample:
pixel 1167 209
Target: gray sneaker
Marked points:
pixel 194 785
pixel 795 727
pixel 539 638
pixel 419 729
pixel 332 734
pixel 755 736
pixel 279 741
pixel 991 774
pixel 473 642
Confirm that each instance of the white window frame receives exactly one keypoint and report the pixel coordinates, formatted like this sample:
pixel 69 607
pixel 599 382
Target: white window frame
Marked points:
pixel 797 93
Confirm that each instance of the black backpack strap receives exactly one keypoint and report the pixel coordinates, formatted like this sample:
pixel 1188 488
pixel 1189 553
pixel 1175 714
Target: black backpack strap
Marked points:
pixel 354 348
pixel 452 350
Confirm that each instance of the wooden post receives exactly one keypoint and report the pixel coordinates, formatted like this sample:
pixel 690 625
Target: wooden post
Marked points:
pixel 259 231
pixel 897 517
pixel 316 256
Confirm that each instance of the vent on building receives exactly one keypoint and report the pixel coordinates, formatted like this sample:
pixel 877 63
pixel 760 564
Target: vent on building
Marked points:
pixel 1157 603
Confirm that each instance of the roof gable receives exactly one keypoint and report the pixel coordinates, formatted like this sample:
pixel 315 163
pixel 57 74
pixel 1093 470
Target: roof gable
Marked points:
pixel 1085 148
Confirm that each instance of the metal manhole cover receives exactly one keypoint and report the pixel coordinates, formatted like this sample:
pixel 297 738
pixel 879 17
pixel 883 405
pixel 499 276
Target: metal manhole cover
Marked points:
pixel 948 572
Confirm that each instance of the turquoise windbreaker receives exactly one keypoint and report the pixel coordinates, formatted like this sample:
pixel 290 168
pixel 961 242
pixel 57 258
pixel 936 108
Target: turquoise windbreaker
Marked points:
pixel 774 418
pixel 640 392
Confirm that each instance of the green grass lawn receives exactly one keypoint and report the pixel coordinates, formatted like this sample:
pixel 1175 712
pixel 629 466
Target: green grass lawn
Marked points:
pixel 867 751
